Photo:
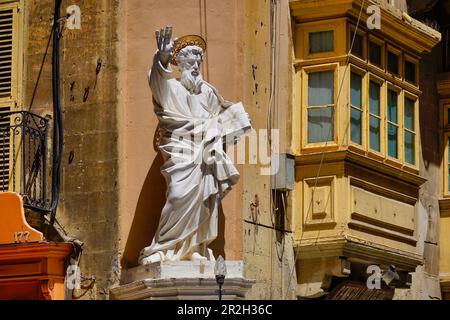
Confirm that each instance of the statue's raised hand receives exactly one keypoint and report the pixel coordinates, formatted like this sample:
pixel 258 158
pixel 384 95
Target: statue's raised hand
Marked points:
pixel 165 45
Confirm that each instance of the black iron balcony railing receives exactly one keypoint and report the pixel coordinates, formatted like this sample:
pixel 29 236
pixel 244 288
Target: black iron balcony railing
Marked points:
pixel 23 158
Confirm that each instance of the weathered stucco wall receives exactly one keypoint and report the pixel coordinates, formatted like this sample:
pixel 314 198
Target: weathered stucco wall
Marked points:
pixel 268 254
pixel 430 168
pixel 88 207
pixel 425 281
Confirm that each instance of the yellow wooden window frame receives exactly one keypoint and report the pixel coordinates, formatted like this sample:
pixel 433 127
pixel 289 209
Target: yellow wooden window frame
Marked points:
pixel 445 110
pixel 398 90
pixel 445 106
pixel 351 30
pixel 398 53
pixel 305 79
pixel 364 107
pixel 338 26
pixel 446 189
pixel 408 95
pixel 382 44
pixel 383 103
pixel 415 61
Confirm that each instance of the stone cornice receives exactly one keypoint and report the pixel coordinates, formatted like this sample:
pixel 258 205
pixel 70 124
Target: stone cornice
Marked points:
pixel 181 288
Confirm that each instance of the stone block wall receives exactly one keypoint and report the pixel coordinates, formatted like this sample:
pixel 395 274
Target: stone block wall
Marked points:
pixel 88 208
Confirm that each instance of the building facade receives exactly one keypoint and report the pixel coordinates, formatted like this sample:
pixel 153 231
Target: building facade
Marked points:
pixel 351 98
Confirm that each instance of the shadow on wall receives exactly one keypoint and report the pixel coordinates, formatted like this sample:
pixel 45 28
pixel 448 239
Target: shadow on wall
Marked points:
pixel 148 211
pixel 429 111
pixel 218 245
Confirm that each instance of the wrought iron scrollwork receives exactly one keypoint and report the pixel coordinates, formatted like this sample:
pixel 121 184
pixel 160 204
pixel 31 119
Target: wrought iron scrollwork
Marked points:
pixel 23 158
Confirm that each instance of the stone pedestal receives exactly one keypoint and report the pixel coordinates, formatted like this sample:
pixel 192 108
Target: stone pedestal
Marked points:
pixel 181 280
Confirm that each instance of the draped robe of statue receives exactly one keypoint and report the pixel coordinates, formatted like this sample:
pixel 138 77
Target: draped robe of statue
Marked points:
pixel 196 168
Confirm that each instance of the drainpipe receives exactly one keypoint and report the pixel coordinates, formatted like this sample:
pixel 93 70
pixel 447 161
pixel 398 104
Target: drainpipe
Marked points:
pixel 57 114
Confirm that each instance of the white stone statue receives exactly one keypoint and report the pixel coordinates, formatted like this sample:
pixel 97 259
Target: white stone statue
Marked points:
pixel 195 121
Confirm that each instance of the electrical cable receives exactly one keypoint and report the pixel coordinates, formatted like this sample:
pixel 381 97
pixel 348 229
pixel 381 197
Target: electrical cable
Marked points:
pixel 57 114
pixel 40 70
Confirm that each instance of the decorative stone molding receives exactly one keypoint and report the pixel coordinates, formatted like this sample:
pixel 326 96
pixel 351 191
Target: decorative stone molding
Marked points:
pixel 181 280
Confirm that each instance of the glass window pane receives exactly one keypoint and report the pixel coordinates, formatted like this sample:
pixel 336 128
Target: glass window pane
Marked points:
pixel 392 141
pixel 320 125
pixel 448 178
pixel 355 90
pixel 392 106
pixel 410 71
pixel 449 150
pixel 374 98
pixel 322 41
pixel 355 125
pixel 410 147
pixel 448 159
pixel 409 114
pixel 321 88
pixel 392 63
pixel 448 115
pixel 375 53
pixel 374 134
pixel 357 48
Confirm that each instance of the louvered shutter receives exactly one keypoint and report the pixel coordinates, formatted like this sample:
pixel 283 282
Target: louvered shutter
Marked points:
pixel 4 147
pixel 6 52
pixel 8 86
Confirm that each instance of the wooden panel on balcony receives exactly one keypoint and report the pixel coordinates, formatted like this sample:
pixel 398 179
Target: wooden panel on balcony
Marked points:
pixel 383 212
pixel 319 202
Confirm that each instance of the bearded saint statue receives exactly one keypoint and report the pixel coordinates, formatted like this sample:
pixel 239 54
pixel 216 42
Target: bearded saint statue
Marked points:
pixel 195 121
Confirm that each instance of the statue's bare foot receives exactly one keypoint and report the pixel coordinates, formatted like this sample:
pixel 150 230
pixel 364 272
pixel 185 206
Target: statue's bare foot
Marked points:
pixel 198 257
pixel 156 257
